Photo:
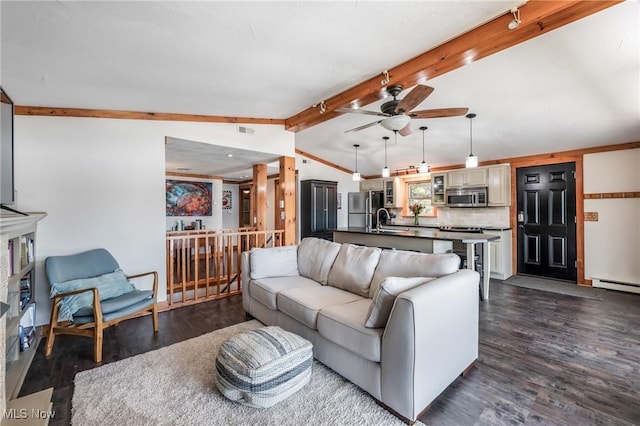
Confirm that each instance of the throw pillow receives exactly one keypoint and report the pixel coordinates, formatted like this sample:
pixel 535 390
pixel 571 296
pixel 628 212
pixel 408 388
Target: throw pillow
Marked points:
pixel 353 269
pixel 109 286
pixel 274 262
pixel 383 300
pixel 315 257
pixel 400 263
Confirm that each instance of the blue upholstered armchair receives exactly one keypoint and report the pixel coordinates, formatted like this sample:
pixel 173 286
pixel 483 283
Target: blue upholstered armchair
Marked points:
pixel 90 293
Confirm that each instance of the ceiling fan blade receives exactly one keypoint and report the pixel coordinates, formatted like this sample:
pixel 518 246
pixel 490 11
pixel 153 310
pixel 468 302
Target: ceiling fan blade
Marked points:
pixel 363 127
pixel 406 130
pixel 414 98
pixel 439 113
pixel 360 111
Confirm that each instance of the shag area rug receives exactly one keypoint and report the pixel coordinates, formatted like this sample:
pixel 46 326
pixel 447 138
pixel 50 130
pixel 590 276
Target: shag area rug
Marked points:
pixel 175 385
pixel 555 286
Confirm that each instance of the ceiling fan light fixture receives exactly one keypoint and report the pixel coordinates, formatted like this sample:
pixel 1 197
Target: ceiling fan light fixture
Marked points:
pixel 472 160
pixel 395 122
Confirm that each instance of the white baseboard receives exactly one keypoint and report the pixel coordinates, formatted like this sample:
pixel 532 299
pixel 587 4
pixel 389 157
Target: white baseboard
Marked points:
pixel 614 285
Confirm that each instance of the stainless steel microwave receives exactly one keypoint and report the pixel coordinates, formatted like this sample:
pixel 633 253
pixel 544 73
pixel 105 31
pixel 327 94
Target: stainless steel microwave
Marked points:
pixel 467 197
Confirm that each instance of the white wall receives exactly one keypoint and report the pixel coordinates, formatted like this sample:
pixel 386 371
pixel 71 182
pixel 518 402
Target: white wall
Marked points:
pixel 612 244
pixel 312 169
pixel 102 183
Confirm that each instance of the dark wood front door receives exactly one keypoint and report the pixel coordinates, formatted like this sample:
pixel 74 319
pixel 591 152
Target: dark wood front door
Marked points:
pixel 547 221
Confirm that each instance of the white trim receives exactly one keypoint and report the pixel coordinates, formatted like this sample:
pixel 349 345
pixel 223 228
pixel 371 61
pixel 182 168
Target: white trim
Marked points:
pixel 611 285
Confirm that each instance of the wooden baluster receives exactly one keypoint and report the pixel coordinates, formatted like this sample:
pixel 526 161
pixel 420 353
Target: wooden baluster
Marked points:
pixel 218 264
pixel 171 268
pixel 207 271
pixel 196 266
pixel 183 255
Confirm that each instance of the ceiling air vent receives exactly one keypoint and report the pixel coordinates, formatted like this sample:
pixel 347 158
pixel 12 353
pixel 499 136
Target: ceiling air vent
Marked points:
pixel 247 130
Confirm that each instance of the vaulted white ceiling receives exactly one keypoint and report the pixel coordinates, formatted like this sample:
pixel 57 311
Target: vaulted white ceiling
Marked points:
pixel 574 87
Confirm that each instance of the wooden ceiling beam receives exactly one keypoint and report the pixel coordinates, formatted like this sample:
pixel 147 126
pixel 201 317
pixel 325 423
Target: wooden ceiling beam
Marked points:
pixel 538 17
pixel 136 115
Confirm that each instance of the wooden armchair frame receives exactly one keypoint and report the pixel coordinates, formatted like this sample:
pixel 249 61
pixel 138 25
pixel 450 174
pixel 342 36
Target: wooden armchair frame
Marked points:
pixel 96 328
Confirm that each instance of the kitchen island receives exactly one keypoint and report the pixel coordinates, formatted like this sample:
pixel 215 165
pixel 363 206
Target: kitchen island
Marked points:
pixel 426 240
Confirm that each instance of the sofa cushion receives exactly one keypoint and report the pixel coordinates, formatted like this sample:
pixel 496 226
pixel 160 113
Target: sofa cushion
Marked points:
pixel 117 303
pixel 303 304
pixel 399 263
pixel 391 287
pixel 315 257
pixel 265 290
pixel 354 268
pixel 274 262
pixel 344 325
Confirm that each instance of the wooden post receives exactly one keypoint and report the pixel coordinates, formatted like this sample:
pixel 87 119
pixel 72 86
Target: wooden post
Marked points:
pixel 260 205
pixel 287 208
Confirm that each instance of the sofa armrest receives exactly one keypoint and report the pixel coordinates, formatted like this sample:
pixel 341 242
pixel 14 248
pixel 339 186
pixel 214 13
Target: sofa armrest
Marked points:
pixel 430 339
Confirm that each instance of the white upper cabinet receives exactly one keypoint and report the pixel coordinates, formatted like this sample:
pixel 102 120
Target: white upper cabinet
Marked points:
pixel 499 185
pixel 372 185
pixel 467 177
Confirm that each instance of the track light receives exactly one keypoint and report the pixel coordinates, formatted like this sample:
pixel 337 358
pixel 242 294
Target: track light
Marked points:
pixel 516 19
pixel 356 175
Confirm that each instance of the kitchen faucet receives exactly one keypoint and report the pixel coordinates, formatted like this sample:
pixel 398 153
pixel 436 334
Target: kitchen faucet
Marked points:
pixel 378 217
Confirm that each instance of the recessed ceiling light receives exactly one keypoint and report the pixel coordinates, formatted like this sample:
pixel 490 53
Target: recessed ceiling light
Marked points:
pixel 229 155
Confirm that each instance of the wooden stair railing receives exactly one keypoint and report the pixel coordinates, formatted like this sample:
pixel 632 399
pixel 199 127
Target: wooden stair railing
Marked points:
pixel 206 264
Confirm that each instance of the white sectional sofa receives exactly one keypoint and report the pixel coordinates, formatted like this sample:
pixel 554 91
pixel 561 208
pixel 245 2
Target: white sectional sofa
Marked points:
pixel 400 325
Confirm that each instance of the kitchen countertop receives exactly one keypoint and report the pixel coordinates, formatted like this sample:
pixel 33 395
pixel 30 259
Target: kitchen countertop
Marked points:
pixel 435 226
pixel 427 233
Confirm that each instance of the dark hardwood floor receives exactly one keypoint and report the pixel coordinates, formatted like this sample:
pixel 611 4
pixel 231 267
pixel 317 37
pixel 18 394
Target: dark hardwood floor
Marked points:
pixel 545 359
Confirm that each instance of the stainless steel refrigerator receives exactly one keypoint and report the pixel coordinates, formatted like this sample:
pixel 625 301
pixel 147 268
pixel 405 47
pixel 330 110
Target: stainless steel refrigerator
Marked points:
pixel 363 207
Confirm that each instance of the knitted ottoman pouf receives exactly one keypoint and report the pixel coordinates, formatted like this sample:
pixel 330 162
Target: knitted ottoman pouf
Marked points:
pixel 260 368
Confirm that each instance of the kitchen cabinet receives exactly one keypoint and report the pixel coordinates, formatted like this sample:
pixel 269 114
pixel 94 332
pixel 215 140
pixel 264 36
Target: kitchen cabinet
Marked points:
pixel 499 183
pixel 318 208
pixel 372 185
pixel 500 254
pixel 467 177
pixel 393 193
pixel 439 185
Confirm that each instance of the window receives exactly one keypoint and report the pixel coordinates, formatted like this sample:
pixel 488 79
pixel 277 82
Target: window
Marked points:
pixel 419 192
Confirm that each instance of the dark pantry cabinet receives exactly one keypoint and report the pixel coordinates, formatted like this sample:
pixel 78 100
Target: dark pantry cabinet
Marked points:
pixel 318 208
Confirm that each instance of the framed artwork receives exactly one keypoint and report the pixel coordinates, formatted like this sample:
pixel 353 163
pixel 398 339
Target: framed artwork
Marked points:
pixel 187 198
pixel 339 201
pixel 227 200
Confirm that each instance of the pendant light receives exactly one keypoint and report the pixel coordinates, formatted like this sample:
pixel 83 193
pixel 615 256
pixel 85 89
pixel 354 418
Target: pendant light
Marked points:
pixel 424 166
pixel 356 176
pixel 472 160
pixel 385 170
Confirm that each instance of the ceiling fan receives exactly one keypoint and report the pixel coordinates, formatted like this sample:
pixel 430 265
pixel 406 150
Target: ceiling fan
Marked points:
pixel 397 113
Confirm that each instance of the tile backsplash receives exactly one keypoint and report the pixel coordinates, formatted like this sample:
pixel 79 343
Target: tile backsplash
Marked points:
pixel 497 217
